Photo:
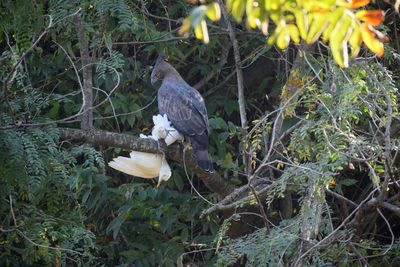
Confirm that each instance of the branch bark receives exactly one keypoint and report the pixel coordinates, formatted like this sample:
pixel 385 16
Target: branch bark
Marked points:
pixel 239 73
pixel 87 116
pixel 213 181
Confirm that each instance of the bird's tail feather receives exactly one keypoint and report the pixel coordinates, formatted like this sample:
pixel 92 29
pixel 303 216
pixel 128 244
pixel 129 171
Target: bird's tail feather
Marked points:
pixel 140 164
pixel 204 160
pixel 200 148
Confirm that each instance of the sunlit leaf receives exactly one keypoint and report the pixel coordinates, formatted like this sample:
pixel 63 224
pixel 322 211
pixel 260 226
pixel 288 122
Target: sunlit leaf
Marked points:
pixel 372 17
pixel 338 53
pixel 355 41
pixel 229 5
pixel 368 36
pixel 319 23
pixel 201 32
pixel 283 38
pixel 354 3
pixel 253 14
pixel 333 18
pixel 213 12
pixel 294 33
pixel 302 23
pixel 319 6
pixel 338 41
pixel 272 38
pixel 237 8
pixel 184 29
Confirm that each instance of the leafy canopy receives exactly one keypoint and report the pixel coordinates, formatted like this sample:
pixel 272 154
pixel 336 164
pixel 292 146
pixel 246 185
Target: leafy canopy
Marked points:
pixel 340 23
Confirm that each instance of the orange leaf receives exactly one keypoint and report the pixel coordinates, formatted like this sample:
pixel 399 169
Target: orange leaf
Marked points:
pixel 372 17
pixel 370 40
pixel 354 3
pixel 320 9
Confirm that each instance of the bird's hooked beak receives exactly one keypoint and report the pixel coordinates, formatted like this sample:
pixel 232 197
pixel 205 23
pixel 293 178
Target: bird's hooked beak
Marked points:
pixel 154 80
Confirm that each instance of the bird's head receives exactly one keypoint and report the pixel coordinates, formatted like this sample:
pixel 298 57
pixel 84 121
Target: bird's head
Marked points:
pixel 160 70
pixel 157 74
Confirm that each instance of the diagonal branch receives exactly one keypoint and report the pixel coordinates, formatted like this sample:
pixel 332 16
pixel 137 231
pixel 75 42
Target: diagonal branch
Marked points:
pixel 213 181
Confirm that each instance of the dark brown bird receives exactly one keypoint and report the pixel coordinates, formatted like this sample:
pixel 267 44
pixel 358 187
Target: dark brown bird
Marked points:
pixel 185 109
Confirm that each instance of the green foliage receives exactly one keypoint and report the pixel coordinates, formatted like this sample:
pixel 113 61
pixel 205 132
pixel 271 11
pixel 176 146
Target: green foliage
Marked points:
pixel 335 21
pixel 68 210
pixel 261 248
pixel 38 200
pixel 60 203
pixel 319 150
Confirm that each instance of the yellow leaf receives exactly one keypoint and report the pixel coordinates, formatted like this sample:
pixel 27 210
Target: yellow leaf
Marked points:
pixel 213 12
pixel 294 33
pixel 319 23
pixel 302 23
pixel 283 38
pixel 184 29
pixel 355 41
pixel 342 29
pixel 229 5
pixel 201 32
pixel 338 41
pixel 370 40
pixel 353 3
pixel 272 38
pixel 198 32
pixel 238 8
pixel 253 14
pixel 250 5
pixel 339 53
pixel 319 6
pixel 334 18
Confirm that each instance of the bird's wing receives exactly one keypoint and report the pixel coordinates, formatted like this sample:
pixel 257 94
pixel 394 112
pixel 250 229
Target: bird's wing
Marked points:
pixel 184 107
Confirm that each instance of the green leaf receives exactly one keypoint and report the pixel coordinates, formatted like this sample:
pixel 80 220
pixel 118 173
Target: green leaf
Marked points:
pixel 55 107
pixel 178 181
pixel 228 162
pixel 131 120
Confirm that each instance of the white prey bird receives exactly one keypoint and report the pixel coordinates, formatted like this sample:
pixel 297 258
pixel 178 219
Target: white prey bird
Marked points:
pixel 149 165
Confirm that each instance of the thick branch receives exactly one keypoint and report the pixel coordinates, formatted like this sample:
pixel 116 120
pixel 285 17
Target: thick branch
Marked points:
pixel 213 181
pixel 87 117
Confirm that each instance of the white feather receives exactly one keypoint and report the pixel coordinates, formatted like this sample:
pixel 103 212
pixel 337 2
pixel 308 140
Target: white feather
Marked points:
pixel 172 136
pixel 165 172
pixel 149 165
pixel 144 165
pixel 140 164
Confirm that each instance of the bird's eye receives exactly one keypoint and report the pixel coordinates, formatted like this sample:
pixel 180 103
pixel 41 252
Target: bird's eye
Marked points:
pixel 158 74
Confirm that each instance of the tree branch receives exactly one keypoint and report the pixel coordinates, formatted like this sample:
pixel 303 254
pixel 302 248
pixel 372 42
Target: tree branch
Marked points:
pixel 213 181
pixel 239 73
pixel 87 117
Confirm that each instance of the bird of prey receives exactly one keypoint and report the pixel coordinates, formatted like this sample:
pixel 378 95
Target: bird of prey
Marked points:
pixel 185 109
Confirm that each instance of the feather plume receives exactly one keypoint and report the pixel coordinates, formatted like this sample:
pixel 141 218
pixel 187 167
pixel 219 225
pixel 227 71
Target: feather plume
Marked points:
pixel 149 165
